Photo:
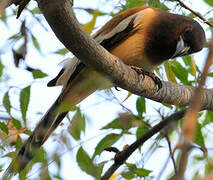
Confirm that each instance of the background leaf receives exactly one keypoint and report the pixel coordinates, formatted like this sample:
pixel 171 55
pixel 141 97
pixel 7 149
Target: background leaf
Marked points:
pixel 209 2
pixel 107 141
pixel 24 101
pixel 77 125
pixel 141 106
pixel 6 102
pixel 3 127
pixel 86 163
pixel 38 74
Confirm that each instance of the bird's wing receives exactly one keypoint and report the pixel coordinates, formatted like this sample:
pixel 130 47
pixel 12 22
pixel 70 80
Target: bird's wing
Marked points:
pixel 122 26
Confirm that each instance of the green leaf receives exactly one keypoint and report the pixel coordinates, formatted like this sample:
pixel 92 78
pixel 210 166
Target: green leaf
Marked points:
pixel 118 123
pixel 90 25
pixel 211 21
pixel 40 155
pixel 125 121
pixel 62 51
pixel 35 43
pixel 3 127
pixel 16 123
pixel 134 3
pixel 68 107
pixel 86 163
pixel 3 17
pixel 141 130
pixel 36 10
pixel 180 72
pixel 199 139
pixel 169 73
pixel 141 106
pixel 128 175
pixel 208 118
pixel 92 11
pixel 141 172
pixel 190 63
pixel 1 168
pixel 18 143
pixel 199 157
pixel 208 168
pixel 57 161
pixel 11 155
pixel 38 74
pixel 210 74
pixel 158 4
pixel 187 60
pixel 6 102
pixel 107 141
pixel 193 67
pixel 24 102
pixel 27 131
pixel 77 125
pixel 1 68
pixel 16 37
pixel 209 2
pixel 191 15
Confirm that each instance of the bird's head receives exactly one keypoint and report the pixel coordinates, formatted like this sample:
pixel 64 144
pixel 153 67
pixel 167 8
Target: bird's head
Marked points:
pixel 190 38
pixel 171 35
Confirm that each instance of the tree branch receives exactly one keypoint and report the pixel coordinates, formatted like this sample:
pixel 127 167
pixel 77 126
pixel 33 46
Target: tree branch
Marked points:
pixel 61 18
pixel 124 155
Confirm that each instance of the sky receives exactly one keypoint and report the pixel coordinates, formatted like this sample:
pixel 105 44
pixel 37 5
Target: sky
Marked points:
pixel 99 112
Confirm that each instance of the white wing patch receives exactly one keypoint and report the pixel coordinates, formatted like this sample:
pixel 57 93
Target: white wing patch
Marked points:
pixel 69 66
pixel 138 18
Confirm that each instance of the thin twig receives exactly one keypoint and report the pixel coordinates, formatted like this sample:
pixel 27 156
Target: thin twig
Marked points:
pixel 189 125
pixel 190 119
pixel 124 155
pixel 186 148
pixel 195 13
pixel 171 153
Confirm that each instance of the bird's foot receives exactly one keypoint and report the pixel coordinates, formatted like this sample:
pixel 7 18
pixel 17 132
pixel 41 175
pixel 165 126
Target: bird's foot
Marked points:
pixel 143 72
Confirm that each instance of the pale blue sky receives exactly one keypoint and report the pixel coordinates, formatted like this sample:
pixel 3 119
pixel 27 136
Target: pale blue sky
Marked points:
pixel 98 110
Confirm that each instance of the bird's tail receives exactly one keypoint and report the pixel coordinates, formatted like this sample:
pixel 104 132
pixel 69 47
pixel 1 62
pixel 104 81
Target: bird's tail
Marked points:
pixel 41 133
pixel 85 83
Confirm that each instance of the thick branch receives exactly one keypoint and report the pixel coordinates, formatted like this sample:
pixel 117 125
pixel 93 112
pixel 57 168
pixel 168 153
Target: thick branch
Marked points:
pixel 60 16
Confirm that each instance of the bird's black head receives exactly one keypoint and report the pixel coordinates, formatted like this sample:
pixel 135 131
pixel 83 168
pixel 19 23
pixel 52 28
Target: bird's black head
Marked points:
pixel 172 35
pixel 191 37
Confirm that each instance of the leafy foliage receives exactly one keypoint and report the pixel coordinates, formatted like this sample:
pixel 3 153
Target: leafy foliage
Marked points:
pixel 24 41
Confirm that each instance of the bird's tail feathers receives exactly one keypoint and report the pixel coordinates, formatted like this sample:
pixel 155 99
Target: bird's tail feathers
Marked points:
pixel 43 130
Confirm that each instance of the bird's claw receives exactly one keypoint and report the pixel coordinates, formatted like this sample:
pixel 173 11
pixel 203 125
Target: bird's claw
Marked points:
pixel 143 72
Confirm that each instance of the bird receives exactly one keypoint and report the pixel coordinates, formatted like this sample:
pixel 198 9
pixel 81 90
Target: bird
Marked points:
pixel 142 37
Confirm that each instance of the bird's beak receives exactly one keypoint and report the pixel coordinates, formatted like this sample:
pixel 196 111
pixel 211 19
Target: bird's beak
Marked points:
pixel 181 49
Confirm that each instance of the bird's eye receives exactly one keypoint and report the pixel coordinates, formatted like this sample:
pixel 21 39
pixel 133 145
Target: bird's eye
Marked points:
pixel 187 31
